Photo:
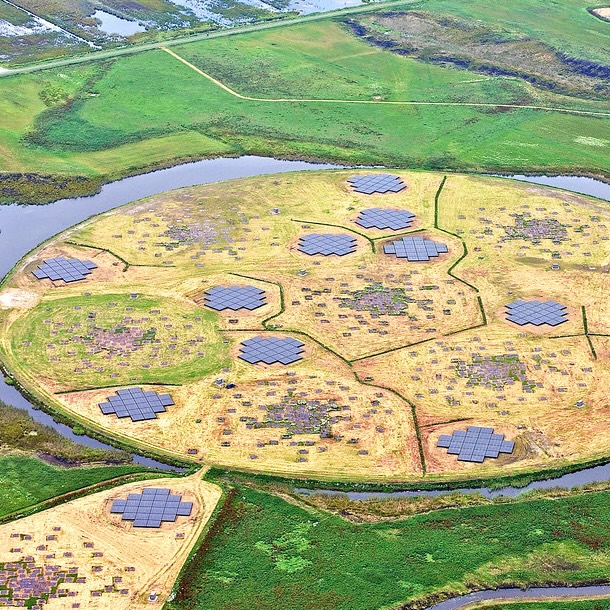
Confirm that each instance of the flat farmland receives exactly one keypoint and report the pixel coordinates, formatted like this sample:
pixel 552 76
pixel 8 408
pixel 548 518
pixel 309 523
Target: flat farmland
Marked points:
pixel 338 99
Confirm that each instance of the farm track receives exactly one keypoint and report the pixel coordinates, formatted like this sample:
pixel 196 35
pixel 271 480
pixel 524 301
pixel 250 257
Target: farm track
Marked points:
pixel 295 100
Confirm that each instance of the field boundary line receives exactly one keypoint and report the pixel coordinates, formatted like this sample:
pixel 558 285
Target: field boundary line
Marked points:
pixel 264 323
pixel 117 256
pixel 585 324
pixel 328 224
pixel 248 98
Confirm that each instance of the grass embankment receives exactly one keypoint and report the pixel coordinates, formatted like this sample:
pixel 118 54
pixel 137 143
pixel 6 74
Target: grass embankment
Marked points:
pixel 565 25
pixel 393 508
pixel 27 480
pixel 473 37
pixel 281 555
pixel 18 431
pixel 168 112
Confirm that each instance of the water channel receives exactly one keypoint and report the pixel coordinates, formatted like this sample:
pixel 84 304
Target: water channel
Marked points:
pixel 535 593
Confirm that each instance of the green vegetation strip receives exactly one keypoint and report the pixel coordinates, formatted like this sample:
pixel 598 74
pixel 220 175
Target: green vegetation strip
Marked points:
pixel 27 484
pixel 269 553
pixel 265 322
pixel 585 324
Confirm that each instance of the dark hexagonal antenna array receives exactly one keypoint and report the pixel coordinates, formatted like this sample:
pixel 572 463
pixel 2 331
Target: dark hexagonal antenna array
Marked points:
pixel 536 312
pixel 380 218
pixel 234 298
pixel 151 507
pixel 415 248
pixel 66 269
pixel 475 444
pixel 376 183
pixel 327 244
pixel 270 350
pixel 137 404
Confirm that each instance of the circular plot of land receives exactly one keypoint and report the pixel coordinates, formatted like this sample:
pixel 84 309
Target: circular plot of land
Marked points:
pixel 358 335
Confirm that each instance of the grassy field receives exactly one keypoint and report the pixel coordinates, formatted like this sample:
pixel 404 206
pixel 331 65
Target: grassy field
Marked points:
pixel 284 63
pixel 43 481
pixel 267 552
pixel 440 39
pixel 27 479
pixel 170 112
pixel 566 26
pixel 395 353
pixel 147 337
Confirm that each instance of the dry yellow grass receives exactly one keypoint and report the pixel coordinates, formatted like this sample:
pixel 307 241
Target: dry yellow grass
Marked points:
pixel 206 415
pixel 179 244
pixel 108 552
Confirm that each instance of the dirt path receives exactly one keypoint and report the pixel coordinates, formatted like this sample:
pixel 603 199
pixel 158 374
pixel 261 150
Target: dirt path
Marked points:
pixel 376 102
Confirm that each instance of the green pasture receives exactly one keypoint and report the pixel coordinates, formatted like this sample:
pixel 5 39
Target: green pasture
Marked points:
pixel 566 26
pixel 285 63
pixel 32 335
pixel 26 481
pixel 167 111
pixel 267 553
pixel 63 131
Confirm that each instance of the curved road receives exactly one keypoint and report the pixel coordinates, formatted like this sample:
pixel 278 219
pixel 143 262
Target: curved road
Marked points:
pixel 376 102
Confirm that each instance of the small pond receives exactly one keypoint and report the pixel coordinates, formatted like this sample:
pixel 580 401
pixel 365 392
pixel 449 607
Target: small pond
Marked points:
pixel 116 26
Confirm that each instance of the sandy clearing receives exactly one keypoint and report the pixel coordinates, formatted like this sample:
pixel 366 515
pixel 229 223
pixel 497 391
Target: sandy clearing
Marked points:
pixel 603 12
pixel 124 563
pixel 16 298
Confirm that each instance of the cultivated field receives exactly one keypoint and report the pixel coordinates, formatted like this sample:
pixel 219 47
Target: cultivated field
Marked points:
pixel 79 555
pixel 395 353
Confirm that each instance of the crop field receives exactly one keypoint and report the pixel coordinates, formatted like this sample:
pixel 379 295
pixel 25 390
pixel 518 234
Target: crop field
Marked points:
pixel 267 552
pixel 78 554
pixel 393 353
pixel 59 132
